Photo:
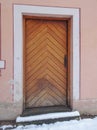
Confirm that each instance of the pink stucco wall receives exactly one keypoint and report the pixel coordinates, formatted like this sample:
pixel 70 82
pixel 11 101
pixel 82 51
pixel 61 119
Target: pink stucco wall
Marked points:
pixel 88 47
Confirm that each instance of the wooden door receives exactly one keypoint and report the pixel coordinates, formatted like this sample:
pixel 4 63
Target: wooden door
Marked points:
pixel 45 74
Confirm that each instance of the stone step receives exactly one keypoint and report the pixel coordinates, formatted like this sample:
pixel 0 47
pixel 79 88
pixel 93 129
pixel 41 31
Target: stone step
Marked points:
pixel 45 110
pixel 48 118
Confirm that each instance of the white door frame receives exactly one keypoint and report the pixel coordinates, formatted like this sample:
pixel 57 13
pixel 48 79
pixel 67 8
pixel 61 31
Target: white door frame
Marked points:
pixel 19 11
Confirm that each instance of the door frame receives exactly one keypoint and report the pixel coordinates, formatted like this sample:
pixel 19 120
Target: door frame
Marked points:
pixel 70 13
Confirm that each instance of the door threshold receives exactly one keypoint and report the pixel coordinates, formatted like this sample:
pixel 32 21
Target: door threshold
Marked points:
pixel 44 110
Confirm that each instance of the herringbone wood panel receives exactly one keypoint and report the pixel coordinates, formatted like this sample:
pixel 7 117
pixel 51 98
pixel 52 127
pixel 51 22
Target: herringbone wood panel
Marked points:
pixel 45 74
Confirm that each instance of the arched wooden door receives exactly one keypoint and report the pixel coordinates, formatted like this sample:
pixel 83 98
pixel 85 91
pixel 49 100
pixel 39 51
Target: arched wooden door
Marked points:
pixel 45 74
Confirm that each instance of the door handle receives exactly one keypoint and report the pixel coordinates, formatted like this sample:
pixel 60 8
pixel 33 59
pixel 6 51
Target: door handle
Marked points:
pixel 65 61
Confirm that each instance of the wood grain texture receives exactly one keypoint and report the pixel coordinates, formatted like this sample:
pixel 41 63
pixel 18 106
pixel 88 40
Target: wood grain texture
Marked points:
pixel 45 74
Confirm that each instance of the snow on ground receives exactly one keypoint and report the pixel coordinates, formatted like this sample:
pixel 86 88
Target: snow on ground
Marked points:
pixel 84 124
pixel 48 116
pixel 6 126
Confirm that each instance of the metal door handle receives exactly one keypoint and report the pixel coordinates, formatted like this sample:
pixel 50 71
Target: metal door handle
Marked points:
pixel 65 61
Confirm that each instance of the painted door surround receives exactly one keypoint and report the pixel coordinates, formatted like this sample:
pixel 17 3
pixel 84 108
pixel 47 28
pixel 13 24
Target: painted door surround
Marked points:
pixel 73 14
pixel 2 62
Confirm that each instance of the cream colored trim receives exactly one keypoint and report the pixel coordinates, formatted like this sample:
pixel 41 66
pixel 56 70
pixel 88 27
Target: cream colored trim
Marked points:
pixel 19 10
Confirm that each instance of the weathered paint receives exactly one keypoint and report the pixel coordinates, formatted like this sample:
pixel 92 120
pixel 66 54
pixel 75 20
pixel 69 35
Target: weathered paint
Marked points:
pixel 88 54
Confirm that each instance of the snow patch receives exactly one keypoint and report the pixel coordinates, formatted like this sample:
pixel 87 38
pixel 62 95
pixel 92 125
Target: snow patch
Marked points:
pixel 48 116
pixel 6 127
pixel 84 124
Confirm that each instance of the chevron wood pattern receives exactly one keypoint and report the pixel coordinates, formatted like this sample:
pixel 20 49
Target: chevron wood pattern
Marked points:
pixel 45 74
